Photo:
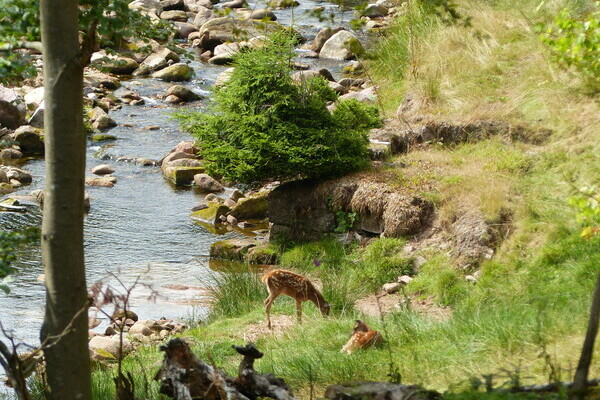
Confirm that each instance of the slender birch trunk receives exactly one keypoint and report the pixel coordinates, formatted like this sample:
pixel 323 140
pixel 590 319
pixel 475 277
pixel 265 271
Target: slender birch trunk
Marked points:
pixel 65 330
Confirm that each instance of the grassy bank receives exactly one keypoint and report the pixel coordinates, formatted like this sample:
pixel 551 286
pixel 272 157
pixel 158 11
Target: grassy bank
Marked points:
pixel 526 315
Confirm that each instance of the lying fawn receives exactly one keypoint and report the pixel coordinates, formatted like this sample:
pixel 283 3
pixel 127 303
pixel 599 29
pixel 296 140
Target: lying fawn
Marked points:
pixel 280 281
pixel 362 337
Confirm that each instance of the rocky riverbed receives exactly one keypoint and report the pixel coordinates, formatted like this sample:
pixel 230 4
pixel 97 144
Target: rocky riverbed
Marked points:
pixel 139 217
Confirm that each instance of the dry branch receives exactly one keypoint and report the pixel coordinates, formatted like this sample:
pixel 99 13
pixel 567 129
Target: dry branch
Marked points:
pixel 183 376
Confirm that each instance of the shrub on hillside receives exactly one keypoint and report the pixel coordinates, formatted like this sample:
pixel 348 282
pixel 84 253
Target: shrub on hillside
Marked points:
pixel 263 125
pixel 575 43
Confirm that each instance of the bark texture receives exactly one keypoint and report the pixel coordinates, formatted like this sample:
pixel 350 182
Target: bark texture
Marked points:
pixel 580 382
pixel 64 334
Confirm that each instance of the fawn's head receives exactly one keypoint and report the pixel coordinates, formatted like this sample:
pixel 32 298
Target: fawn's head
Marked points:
pixel 360 326
pixel 325 308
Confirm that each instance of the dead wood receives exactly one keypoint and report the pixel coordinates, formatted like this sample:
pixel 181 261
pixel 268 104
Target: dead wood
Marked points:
pixel 183 376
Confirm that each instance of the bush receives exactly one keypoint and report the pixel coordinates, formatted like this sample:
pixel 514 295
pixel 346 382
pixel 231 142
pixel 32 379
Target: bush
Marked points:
pixel 262 125
pixel 575 42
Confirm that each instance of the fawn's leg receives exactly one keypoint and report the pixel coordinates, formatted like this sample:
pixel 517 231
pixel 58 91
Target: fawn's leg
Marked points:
pixel 299 311
pixel 268 302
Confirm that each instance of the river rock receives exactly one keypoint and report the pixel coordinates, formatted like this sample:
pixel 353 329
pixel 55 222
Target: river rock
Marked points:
pixel 339 89
pixel 100 80
pixel 172 99
pixel 234 4
pixel 374 11
pixel 186 146
pixel 29 139
pixel 183 93
pixel 100 182
pixel 208 184
pixel 203 15
pixel 160 59
pixel 145 5
pixel 122 65
pixel 263 13
pixel 10 116
pixel 110 345
pixel 254 206
pixel 18 174
pixel 211 214
pixel 341 46
pixel 236 195
pixel 323 35
pixel 34 98
pixel 182 171
pixel 350 82
pixel 139 328
pixel 37 118
pixel 102 169
pixel 227 29
pixel 10 154
pixel 175 72
pixel 197 5
pixel 174 15
pixel 367 96
pixel 103 123
pixel 224 77
pixel 229 203
pixel 231 249
pixel 8 94
pixel 184 29
pixel 168 5
pixel 301 77
pixel 176 155
pixel 282 3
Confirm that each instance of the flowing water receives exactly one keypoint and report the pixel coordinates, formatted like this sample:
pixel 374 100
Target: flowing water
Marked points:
pixel 141 226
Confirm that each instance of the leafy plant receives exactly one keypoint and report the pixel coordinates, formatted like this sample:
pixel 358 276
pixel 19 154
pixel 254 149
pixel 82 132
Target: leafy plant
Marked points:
pixel 588 204
pixel 263 125
pixel 575 43
pixel 111 20
pixel 345 221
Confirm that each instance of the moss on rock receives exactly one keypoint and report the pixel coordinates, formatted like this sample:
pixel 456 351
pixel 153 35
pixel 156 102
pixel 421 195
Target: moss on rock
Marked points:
pixel 255 206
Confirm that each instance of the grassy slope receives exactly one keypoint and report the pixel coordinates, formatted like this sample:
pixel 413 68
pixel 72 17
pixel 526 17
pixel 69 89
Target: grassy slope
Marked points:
pixel 535 292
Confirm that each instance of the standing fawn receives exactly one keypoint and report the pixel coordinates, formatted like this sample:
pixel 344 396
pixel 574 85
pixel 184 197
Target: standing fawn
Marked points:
pixel 280 281
pixel 362 337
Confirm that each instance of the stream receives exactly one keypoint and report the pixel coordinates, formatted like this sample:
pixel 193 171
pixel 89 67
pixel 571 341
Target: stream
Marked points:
pixel 140 227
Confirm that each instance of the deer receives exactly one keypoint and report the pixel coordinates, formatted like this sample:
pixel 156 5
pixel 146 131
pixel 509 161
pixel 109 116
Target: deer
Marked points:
pixel 362 337
pixel 280 281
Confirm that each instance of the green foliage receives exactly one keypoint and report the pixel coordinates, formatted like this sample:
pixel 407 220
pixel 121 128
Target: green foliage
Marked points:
pixel 263 125
pixel 20 21
pixel 236 293
pixel 345 221
pixel 382 261
pixel 587 202
pixel 575 43
pixel 10 242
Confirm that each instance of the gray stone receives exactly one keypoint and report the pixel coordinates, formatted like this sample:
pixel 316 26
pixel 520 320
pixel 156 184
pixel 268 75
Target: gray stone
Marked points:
pixel 391 287
pixel 203 15
pixel 34 98
pixel 208 184
pixel 375 11
pixel 10 154
pixel 183 93
pixel 103 169
pixel 110 345
pixel 160 59
pixel 197 5
pixel 341 46
pixel 323 35
pixel 140 328
pixel 184 29
pixel 10 116
pixel 29 140
pixel 122 65
pixel 404 279
pixel 174 15
pixel 263 13
pixel 175 72
pixel 236 195
pixel 103 123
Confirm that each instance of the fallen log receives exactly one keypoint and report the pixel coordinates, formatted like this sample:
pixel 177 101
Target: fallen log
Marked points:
pixel 183 376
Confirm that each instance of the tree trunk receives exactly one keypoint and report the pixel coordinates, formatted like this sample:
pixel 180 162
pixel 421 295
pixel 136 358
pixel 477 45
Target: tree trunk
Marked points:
pixel 578 390
pixel 64 333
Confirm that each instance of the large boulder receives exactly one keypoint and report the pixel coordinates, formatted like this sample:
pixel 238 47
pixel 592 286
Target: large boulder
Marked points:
pixel 342 46
pixel 323 35
pixel 210 215
pixel 198 5
pixel 182 171
pixel 110 345
pixel 37 118
pixel 227 29
pixel 29 139
pixel 122 65
pixel 174 15
pixel 160 59
pixel 175 73
pixel 34 98
pixel 10 116
pixel 183 93
pixel 254 206
pixel 203 15
pixel 374 11
pixel 208 184
pixel 232 249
